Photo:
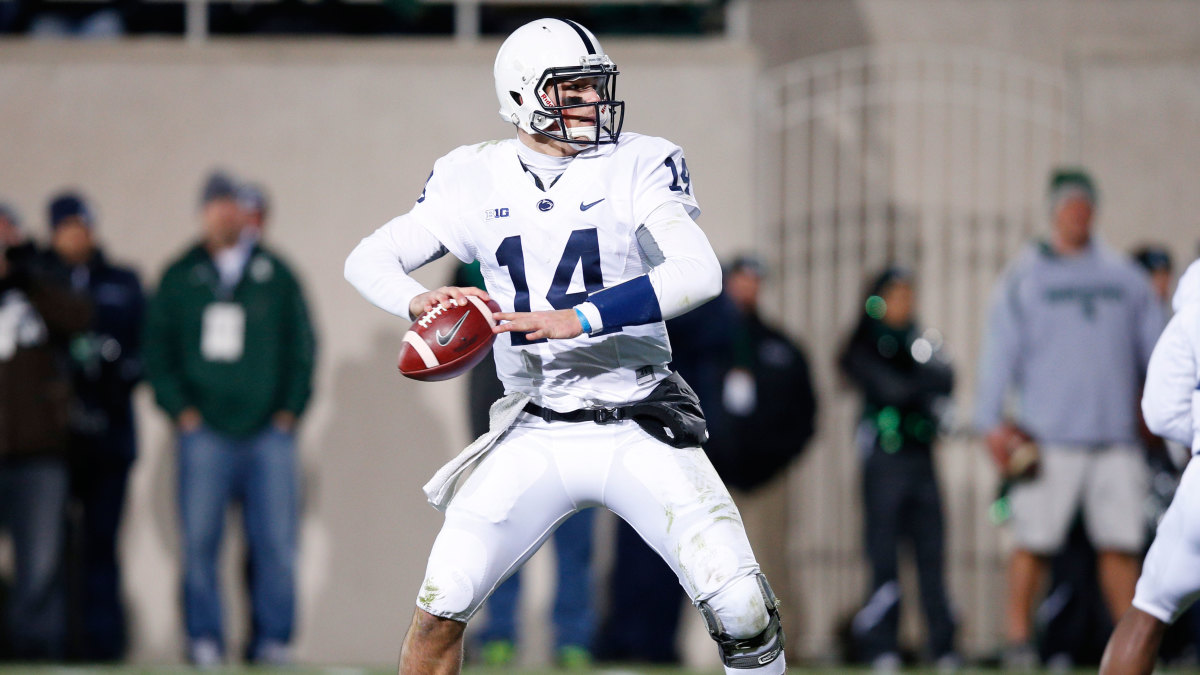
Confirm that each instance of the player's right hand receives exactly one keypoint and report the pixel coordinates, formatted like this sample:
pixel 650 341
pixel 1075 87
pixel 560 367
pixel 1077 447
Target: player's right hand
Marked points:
pixel 446 295
pixel 997 441
pixel 1003 442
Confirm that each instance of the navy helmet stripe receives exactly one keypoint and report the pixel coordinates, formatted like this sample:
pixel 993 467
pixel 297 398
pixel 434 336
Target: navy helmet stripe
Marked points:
pixel 587 43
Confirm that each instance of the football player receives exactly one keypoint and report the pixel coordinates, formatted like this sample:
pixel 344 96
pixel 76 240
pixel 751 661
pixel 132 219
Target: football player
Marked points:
pixel 1170 579
pixel 587 240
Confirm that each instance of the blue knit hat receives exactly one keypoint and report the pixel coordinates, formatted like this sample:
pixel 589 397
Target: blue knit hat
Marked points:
pixel 747 262
pixel 69 205
pixel 219 185
pixel 252 197
pixel 1153 258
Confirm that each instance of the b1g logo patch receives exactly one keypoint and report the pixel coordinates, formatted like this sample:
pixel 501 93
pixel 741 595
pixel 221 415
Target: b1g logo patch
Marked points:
pixel 491 214
pixel 545 205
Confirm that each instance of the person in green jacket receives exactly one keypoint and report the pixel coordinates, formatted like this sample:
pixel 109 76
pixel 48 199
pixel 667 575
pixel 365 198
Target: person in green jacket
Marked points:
pixel 229 350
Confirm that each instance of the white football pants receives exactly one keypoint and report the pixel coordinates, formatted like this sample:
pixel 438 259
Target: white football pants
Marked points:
pixel 1170 579
pixel 542 472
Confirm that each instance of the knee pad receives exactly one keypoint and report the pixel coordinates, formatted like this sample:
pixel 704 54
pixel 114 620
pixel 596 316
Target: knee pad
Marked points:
pixel 748 652
pixel 449 594
pixel 452 588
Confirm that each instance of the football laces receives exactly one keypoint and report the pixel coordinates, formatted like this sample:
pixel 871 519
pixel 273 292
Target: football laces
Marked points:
pixel 429 316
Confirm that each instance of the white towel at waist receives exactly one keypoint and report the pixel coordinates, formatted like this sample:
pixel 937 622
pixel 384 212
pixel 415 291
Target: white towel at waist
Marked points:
pixel 442 487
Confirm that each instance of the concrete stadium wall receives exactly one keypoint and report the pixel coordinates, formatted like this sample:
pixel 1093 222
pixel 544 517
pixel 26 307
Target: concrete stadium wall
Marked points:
pixel 343 136
pixel 1133 65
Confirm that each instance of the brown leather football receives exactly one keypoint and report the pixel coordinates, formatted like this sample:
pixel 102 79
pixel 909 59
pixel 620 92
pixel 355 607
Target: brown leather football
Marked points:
pixel 446 342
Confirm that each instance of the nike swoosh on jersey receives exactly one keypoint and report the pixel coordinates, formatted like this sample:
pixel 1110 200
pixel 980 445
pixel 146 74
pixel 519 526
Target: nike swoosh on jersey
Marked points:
pixel 444 340
pixel 585 207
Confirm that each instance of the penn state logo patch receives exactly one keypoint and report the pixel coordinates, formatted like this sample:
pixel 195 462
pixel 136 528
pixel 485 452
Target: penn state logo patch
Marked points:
pixel 545 205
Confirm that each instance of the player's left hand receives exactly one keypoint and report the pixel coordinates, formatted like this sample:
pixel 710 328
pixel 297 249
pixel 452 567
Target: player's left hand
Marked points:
pixel 556 324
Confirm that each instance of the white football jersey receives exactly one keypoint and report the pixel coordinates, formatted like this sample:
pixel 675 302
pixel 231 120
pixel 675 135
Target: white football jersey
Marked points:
pixel 1171 399
pixel 548 249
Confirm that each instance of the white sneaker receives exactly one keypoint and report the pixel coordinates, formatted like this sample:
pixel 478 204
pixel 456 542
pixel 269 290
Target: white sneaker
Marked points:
pixel 948 664
pixel 1060 663
pixel 888 663
pixel 205 653
pixel 272 654
pixel 1020 657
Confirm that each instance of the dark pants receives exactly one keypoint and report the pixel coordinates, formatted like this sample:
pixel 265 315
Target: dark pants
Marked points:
pixel 901 503
pixel 33 496
pixel 644 601
pixel 1073 618
pixel 99 478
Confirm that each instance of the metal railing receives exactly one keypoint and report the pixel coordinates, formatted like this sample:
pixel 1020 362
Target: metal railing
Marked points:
pixel 935 158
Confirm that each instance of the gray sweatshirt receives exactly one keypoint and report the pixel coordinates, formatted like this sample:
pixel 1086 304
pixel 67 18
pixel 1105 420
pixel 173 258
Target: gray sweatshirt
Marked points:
pixel 1071 337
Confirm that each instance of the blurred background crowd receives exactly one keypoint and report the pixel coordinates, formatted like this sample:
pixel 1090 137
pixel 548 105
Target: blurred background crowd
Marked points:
pixel 950 232
pixel 70 18
pixel 228 347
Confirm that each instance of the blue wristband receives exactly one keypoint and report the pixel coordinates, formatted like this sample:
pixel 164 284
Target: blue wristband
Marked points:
pixel 630 303
pixel 587 326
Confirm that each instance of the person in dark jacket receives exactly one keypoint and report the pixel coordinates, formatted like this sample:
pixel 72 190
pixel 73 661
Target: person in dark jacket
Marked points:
pixel 768 409
pixel 105 364
pixel 904 383
pixel 767 403
pixel 37 317
pixel 229 350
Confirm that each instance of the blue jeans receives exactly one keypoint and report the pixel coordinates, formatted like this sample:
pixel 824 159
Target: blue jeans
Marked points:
pixel 33 497
pixel 261 472
pixel 573 613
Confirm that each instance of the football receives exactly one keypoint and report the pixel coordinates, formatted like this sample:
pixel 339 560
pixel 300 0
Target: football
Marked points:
pixel 446 342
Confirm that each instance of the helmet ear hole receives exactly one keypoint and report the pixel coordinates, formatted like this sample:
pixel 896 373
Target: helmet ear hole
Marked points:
pixel 516 97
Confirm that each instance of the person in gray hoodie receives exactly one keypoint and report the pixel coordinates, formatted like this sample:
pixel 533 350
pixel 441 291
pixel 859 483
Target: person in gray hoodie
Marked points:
pixel 1170 579
pixel 1071 328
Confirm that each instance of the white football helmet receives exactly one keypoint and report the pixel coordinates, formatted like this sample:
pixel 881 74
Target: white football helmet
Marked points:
pixel 548 51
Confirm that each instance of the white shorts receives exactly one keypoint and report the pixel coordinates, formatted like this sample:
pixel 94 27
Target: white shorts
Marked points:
pixel 1170 579
pixel 540 473
pixel 1106 484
